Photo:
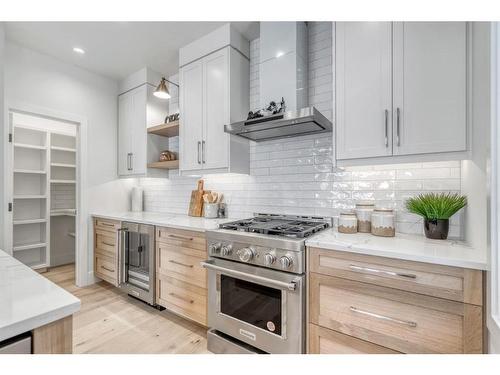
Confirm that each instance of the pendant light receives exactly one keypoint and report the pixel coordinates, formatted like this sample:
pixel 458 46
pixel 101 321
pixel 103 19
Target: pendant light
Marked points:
pixel 162 90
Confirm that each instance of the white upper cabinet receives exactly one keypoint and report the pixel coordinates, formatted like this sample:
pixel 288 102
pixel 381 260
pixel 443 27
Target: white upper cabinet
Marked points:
pixel 215 146
pixel 191 96
pixel 214 91
pixel 139 109
pixel 430 70
pixel 400 89
pixel 364 93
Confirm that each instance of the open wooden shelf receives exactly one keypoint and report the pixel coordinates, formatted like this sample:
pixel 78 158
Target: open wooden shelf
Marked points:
pixel 165 130
pixel 170 164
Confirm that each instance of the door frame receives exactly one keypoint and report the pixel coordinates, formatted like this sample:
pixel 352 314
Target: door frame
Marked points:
pixel 81 219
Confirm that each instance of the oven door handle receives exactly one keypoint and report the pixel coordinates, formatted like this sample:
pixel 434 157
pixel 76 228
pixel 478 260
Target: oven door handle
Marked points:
pixel 276 283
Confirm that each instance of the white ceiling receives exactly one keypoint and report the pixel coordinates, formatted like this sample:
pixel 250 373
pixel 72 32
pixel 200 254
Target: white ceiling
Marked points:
pixel 117 49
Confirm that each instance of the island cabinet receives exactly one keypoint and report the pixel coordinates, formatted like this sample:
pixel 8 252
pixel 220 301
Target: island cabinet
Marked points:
pixel 367 304
pixel 106 250
pixel 181 282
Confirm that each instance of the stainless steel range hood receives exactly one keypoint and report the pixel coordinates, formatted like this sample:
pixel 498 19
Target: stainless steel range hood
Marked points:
pixel 283 74
pixel 282 125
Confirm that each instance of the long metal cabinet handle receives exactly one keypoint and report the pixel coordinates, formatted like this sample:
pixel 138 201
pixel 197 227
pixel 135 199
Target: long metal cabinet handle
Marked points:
pixel 180 237
pixel 108 269
pixel 374 270
pixel 279 284
pixel 181 264
pixel 382 317
pixel 107 243
pixel 386 128
pixel 199 153
pixel 398 138
pixel 203 152
pixel 131 161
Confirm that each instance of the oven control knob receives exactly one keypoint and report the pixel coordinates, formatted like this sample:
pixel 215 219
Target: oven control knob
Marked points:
pixel 214 248
pixel 286 262
pixel 246 254
pixel 226 250
pixel 269 259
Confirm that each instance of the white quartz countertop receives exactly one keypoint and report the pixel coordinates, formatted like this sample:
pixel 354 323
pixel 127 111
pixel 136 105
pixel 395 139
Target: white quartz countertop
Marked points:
pixel 28 300
pixel 178 221
pixel 408 247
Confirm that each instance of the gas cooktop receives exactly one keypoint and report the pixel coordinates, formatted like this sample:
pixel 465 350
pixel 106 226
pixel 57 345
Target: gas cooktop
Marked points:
pixel 280 225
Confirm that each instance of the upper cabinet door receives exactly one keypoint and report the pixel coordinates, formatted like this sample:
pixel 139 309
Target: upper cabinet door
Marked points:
pixel 124 134
pixel 363 89
pixel 215 147
pixel 191 119
pixel 430 87
pixel 139 133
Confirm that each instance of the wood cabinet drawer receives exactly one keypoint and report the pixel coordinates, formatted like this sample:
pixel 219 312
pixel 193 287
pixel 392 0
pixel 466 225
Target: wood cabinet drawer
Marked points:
pixel 106 269
pixel 326 341
pixel 106 243
pixel 182 298
pixel 106 224
pixel 180 264
pixel 182 238
pixel 451 283
pixel 399 320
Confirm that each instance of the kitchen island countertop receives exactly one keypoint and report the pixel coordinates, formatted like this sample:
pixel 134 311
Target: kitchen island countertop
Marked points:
pixel 28 300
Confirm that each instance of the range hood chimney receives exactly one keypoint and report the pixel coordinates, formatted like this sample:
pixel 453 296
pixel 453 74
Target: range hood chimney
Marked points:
pixel 283 74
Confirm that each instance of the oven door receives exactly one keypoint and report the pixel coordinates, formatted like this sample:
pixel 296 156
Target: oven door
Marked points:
pixel 259 306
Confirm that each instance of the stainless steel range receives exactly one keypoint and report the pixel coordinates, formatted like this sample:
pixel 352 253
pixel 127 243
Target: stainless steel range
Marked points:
pixel 256 283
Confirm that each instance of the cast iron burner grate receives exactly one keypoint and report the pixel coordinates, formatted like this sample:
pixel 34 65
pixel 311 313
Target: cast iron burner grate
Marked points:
pixel 276 225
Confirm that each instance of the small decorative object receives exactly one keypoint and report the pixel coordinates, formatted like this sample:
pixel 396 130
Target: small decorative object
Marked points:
pixel 271 109
pixel 167 155
pixel 348 223
pixel 364 211
pixel 436 209
pixel 172 118
pixel 383 222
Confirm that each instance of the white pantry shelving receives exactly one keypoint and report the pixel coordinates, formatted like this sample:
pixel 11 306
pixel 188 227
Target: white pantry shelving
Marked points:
pixel 43 160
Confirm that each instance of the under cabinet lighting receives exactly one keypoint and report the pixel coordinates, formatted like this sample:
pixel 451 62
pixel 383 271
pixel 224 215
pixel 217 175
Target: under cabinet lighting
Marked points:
pixel 79 50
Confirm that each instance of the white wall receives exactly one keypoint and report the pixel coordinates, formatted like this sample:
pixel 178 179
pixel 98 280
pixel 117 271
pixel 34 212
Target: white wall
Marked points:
pixel 43 81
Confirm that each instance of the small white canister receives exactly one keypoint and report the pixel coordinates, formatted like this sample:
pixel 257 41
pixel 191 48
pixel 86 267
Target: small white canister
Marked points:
pixel 364 210
pixel 137 199
pixel 348 223
pixel 383 222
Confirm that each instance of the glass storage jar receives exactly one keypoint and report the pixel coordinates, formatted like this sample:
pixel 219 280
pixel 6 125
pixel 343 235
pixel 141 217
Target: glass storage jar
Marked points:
pixel 348 223
pixel 364 210
pixel 383 222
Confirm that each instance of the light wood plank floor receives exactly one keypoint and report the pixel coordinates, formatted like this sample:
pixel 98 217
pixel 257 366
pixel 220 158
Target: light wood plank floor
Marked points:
pixel 110 322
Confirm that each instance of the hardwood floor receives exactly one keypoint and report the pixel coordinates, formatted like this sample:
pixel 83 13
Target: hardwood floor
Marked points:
pixel 111 322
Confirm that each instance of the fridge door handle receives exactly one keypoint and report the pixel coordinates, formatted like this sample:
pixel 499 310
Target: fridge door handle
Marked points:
pixel 121 255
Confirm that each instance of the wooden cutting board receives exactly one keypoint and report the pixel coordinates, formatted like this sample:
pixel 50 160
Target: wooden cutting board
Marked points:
pixel 196 203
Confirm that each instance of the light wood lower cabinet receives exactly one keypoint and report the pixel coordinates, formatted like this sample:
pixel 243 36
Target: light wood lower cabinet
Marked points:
pixel 391 304
pixel 54 338
pixel 106 256
pixel 181 282
pixel 327 341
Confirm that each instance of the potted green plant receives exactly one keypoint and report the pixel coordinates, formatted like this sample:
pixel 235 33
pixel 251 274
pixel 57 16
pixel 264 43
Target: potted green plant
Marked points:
pixel 436 209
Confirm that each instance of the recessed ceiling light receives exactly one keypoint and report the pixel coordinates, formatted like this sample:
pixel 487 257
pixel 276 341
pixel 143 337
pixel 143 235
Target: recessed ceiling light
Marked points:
pixel 79 50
